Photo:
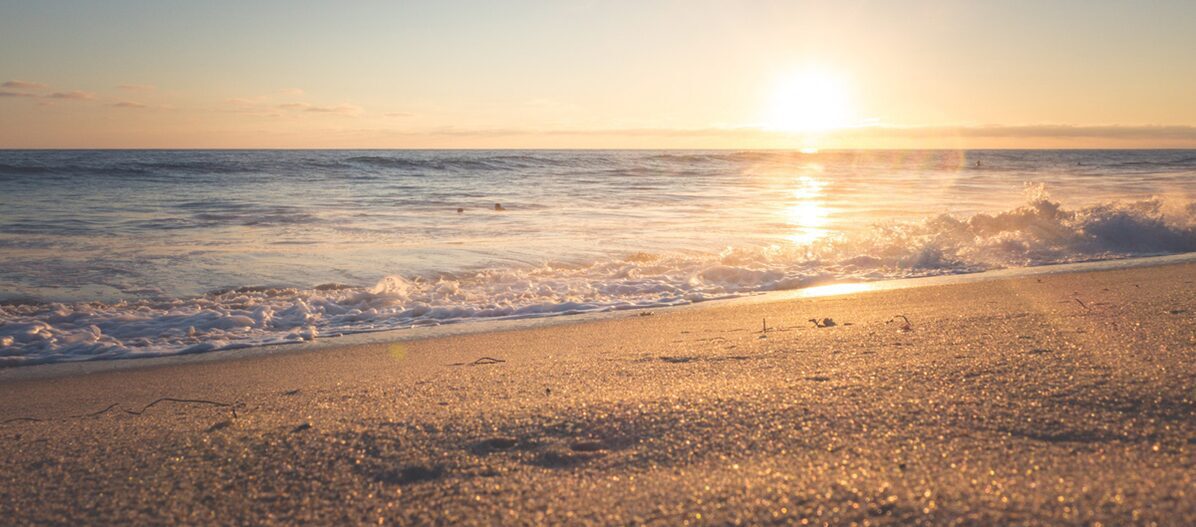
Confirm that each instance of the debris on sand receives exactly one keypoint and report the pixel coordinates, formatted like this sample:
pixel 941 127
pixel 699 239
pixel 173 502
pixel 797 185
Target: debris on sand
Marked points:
pixel 412 474
pixel 587 446
pixel 219 426
pixel 906 326
pixel 498 443
pixel 231 406
pixel 479 362
pixel 824 323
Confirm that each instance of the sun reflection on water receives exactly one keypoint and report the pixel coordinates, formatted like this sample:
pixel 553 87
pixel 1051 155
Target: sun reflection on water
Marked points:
pixel 808 215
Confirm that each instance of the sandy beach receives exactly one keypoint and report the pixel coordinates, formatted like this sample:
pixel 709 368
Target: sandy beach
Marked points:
pixel 1065 399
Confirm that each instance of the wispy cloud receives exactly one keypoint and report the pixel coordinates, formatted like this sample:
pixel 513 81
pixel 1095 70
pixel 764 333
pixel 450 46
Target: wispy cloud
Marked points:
pixel 4 93
pixel 292 92
pixel 398 114
pixel 128 104
pixel 346 109
pixel 137 87
pixel 270 106
pixel 241 101
pixel 1144 132
pixel 24 85
pixel 962 136
pixel 74 95
pixel 343 109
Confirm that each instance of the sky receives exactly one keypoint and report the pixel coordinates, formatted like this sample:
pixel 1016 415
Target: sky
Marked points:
pixel 597 74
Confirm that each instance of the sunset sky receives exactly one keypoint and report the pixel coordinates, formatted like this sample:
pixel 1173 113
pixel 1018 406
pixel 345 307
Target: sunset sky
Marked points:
pixel 597 74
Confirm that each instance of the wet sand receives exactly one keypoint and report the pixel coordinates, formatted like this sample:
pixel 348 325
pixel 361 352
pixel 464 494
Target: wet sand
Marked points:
pixel 1063 399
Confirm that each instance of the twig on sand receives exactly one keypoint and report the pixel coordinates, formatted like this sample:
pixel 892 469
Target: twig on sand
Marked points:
pixel 479 362
pixel 19 419
pixel 109 408
pixel 908 326
pixel 232 406
pixel 764 325
pixel 1081 302
pixel 824 323
pixel 97 412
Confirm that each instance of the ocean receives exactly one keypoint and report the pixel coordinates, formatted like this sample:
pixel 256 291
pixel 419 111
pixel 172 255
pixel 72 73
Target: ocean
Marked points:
pixel 119 254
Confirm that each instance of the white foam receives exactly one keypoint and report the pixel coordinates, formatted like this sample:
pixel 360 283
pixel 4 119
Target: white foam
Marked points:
pixel 1039 232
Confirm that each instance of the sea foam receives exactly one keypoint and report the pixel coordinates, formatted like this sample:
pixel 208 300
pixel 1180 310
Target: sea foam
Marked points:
pixel 1041 231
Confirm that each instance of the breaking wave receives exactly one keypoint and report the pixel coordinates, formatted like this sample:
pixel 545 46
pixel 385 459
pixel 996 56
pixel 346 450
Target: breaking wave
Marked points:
pixel 1041 231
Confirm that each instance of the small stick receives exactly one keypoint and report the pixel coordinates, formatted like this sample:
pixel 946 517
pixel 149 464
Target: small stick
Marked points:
pixel 184 401
pixel 909 326
pixel 231 406
pixel 1085 306
pixel 19 419
pixel 101 412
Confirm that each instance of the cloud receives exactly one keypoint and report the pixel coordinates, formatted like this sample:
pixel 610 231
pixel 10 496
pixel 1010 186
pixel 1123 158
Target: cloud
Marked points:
pixel 24 85
pixel 346 109
pixel 343 109
pixel 1143 132
pixel 240 101
pixel 74 95
pixel 961 136
pixel 398 114
pixel 292 92
pixel 128 104
pixel 137 87
pixel 4 93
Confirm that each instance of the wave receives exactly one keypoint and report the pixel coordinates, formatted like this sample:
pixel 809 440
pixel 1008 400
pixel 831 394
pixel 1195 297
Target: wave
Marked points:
pixel 1040 231
pixel 1037 233
pixel 8 168
pixel 457 163
pixel 1189 161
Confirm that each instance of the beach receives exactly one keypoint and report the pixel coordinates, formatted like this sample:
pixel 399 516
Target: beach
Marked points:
pixel 1061 399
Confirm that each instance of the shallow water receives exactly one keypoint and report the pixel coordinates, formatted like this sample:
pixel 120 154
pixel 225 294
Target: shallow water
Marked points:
pixel 130 253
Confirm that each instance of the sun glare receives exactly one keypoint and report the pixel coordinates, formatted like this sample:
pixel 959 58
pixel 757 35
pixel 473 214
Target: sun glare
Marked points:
pixel 808 214
pixel 809 101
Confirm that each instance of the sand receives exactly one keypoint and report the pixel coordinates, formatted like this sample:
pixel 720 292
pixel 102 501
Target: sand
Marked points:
pixel 1065 399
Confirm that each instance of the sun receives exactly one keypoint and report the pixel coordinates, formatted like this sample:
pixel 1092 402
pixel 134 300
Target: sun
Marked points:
pixel 809 101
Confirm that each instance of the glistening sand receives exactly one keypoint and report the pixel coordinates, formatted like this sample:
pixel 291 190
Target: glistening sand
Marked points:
pixel 1057 399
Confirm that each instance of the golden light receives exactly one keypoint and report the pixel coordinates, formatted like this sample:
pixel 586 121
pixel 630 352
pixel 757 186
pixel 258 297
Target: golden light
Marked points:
pixel 810 101
pixel 836 289
pixel 808 216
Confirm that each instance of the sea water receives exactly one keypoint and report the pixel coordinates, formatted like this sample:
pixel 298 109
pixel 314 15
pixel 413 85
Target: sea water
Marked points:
pixel 116 254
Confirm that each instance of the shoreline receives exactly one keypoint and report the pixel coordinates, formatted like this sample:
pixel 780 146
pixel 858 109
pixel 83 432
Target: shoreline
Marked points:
pixel 470 327
pixel 1059 398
